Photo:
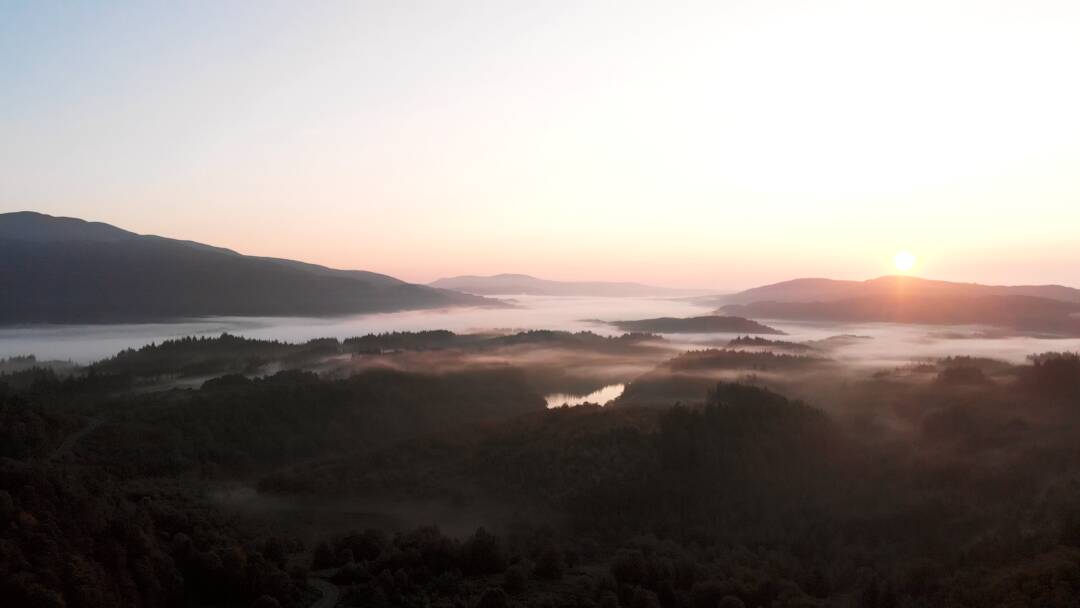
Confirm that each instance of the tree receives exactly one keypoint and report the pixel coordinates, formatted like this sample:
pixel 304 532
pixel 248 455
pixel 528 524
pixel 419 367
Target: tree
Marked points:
pixel 323 557
pixel 482 554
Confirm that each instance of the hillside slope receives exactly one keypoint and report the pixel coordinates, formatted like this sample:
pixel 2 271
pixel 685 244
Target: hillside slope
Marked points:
pixel 66 270
pixel 1026 314
pixel 830 290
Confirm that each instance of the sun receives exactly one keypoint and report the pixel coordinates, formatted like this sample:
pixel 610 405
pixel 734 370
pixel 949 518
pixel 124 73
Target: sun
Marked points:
pixel 904 261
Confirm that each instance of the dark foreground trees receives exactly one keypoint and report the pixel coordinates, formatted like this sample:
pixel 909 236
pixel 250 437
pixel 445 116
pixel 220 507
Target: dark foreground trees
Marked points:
pixel 945 487
pixel 71 538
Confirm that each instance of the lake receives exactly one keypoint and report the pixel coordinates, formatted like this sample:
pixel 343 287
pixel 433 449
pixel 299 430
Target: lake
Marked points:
pixel 601 396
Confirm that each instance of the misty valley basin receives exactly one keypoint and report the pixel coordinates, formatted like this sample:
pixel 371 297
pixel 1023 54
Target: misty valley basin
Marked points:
pixel 888 344
pixel 87 343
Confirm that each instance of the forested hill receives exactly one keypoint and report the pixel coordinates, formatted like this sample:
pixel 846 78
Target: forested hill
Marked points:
pixel 66 270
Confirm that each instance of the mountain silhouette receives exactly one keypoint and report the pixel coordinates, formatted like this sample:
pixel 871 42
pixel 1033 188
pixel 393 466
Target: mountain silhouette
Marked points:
pixel 1035 308
pixel 828 290
pixel 67 270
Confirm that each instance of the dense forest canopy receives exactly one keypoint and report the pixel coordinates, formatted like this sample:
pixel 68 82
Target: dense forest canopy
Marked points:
pixel 385 469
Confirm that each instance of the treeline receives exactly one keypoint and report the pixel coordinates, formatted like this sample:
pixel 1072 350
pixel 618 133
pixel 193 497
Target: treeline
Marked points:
pixel 38 408
pixel 766 502
pixel 686 378
pixel 531 565
pixel 721 359
pixel 27 431
pixel 665 502
pixel 239 425
pixel 198 356
pixel 759 342
pixel 948 483
pixel 1055 375
pixel 72 538
pixel 205 356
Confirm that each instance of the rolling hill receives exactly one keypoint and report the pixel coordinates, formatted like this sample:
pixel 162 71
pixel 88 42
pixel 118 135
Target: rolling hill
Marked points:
pixel 1025 313
pixel 1042 309
pixel 66 270
pixel 830 290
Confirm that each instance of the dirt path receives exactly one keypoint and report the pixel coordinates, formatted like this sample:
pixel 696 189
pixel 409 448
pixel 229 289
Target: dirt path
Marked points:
pixel 331 593
pixel 69 442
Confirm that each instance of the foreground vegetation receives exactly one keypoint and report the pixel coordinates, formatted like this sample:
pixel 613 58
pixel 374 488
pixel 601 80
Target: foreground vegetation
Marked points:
pixel 776 480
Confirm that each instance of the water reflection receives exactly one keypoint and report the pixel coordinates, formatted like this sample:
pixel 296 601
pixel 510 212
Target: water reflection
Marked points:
pixel 602 397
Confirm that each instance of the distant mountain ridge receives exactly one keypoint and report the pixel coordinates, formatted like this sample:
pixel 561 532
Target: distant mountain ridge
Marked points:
pixel 1051 309
pixel 523 284
pixel 827 290
pixel 67 270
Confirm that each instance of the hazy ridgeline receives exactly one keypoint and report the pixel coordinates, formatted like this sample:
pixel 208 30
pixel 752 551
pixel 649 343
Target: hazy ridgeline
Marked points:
pixel 749 471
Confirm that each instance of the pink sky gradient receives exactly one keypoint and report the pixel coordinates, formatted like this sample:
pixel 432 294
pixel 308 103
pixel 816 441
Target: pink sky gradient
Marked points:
pixel 717 145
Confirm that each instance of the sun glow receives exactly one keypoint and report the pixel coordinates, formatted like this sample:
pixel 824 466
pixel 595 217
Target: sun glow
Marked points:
pixel 904 261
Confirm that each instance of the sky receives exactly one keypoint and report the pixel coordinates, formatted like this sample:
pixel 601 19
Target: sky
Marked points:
pixel 706 144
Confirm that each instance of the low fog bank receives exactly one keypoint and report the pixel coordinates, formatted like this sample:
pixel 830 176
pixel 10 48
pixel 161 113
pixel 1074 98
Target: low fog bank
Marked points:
pixel 87 343
pixel 891 344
